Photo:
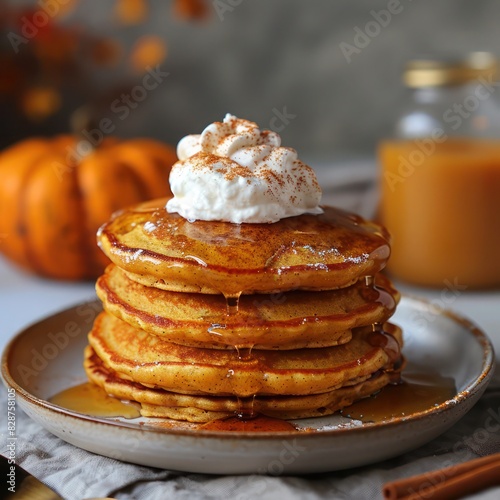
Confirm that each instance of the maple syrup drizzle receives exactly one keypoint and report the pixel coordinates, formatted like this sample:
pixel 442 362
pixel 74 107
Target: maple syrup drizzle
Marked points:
pixel 259 423
pixel 246 408
pixel 90 399
pixel 244 352
pixel 372 292
pixel 381 337
pixel 214 329
pixel 232 303
pixel 417 391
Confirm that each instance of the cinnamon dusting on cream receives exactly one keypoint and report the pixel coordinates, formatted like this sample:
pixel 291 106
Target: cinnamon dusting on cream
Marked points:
pixel 235 172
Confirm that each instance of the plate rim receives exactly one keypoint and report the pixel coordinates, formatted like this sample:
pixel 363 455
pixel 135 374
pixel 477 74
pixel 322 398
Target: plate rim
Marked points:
pixel 478 384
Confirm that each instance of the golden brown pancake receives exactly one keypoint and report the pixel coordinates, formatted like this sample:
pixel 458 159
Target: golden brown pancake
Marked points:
pixel 146 359
pixel 161 403
pixel 291 320
pixel 310 252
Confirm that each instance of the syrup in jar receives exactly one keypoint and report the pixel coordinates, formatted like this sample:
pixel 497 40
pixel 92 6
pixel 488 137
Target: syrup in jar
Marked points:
pixel 440 175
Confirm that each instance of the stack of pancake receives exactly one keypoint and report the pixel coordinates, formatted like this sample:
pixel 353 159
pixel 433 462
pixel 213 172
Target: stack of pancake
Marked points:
pixel 205 320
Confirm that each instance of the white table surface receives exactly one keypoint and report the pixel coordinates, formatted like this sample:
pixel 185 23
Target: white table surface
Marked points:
pixel 25 298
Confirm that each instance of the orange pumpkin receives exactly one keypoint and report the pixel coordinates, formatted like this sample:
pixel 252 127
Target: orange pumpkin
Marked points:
pixel 52 200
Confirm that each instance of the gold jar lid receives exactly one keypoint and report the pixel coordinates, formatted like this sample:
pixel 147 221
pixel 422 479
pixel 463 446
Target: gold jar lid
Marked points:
pixel 435 72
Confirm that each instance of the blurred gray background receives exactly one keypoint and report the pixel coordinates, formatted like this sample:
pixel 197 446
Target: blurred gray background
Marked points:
pixel 301 67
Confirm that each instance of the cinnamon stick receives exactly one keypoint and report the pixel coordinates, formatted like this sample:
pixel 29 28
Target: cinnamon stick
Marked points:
pixel 449 483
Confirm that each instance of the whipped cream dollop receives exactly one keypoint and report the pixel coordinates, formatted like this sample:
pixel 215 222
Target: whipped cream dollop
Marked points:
pixel 235 172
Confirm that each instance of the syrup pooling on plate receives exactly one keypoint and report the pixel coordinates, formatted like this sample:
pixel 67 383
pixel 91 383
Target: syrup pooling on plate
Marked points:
pixel 258 423
pixel 90 399
pixel 418 391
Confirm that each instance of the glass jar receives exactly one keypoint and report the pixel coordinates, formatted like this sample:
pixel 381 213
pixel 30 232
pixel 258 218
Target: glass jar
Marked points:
pixel 440 175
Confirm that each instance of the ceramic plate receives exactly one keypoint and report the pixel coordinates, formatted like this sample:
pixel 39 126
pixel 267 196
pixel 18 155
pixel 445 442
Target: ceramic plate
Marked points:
pixel 46 358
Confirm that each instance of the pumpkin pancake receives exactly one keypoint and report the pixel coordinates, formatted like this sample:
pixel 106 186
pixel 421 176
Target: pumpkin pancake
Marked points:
pixel 137 356
pixel 311 252
pixel 290 320
pixel 161 403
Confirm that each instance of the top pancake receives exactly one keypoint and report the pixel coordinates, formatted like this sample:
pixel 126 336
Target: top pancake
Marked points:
pixel 310 252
